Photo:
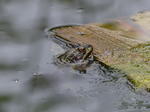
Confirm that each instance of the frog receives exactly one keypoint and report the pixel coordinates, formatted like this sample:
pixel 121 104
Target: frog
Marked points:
pixel 78 56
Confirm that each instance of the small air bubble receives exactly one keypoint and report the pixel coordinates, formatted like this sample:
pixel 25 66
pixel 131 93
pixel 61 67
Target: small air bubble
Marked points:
pixel 16 80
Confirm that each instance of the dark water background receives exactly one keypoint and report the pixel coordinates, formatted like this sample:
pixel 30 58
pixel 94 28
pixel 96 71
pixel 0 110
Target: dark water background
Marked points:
pixel 30 82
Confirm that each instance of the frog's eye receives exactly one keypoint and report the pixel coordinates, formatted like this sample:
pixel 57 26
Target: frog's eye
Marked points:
pixel 81 49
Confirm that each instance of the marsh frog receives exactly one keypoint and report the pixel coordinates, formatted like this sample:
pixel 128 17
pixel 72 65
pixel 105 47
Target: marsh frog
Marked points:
pixel 78 56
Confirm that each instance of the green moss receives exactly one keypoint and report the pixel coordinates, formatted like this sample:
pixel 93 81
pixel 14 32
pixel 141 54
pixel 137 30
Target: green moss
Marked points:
pixel 139 76
pixel 110 26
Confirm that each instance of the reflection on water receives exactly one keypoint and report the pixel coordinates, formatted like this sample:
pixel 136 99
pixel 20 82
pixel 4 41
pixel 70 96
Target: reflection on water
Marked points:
pixel 30 82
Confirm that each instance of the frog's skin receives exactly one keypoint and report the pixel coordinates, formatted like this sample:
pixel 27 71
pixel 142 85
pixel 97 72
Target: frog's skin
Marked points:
pixel 78 56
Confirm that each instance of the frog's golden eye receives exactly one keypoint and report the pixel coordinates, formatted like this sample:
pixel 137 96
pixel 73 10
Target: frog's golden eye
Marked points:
pixel 82 49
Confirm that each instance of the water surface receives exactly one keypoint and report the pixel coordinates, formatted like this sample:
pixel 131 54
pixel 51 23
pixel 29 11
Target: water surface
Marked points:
pixel 30 82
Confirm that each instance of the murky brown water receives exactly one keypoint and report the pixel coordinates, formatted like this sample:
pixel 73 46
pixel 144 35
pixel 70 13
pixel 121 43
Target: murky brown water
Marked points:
pixel 30 82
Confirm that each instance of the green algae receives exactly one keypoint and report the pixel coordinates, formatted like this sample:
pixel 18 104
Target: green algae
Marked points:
pixel 137 67
pixel 110 26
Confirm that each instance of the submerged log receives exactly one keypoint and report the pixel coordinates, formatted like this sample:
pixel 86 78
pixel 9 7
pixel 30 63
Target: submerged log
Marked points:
pixel 119 44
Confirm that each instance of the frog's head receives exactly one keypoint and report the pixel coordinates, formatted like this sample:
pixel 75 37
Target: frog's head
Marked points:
pixel 87 51
pixel 83 52
pixel 78 57
pixel 80 52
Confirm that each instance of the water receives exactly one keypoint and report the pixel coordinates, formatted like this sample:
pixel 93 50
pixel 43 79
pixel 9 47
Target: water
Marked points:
pixel 30 82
